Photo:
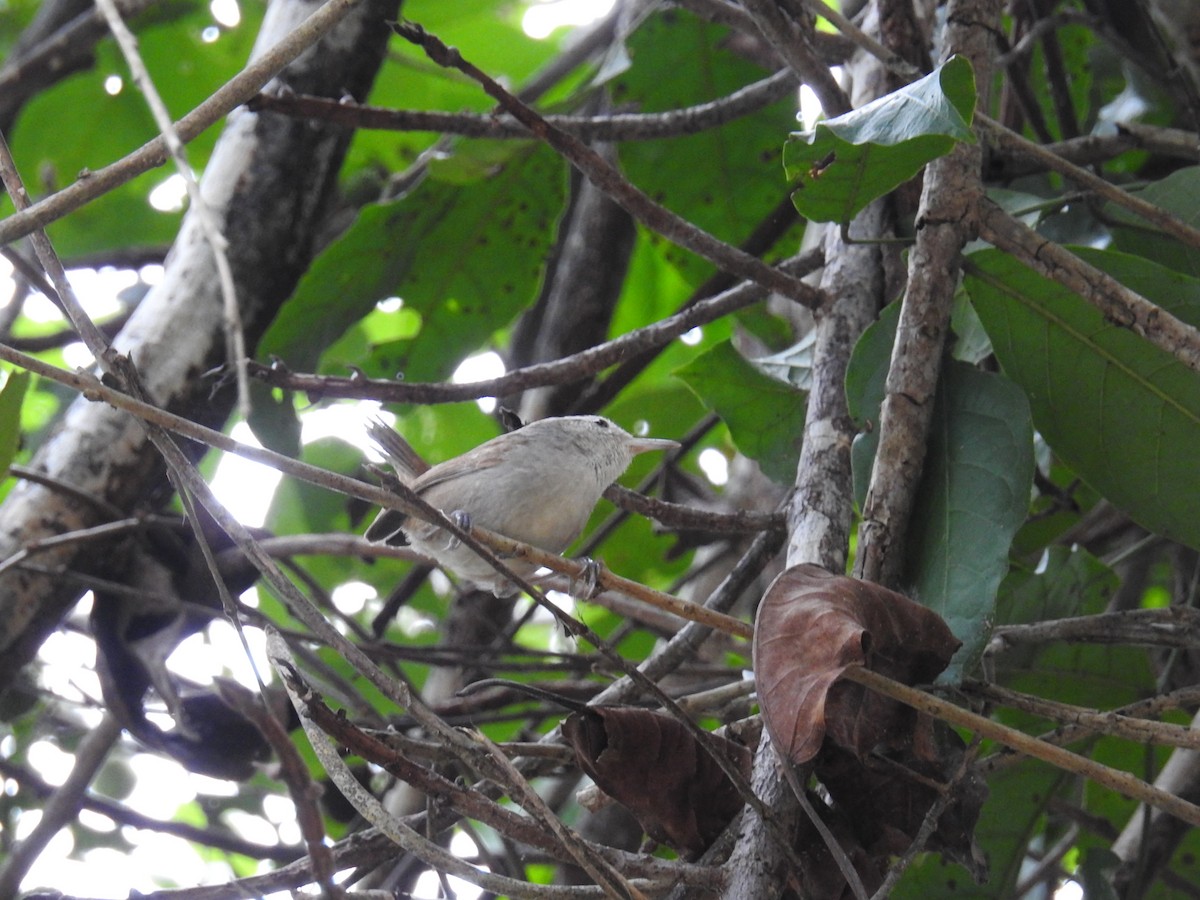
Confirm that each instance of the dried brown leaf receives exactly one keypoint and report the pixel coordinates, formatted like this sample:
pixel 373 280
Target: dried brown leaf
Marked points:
pixel 812 626
pixel 651 764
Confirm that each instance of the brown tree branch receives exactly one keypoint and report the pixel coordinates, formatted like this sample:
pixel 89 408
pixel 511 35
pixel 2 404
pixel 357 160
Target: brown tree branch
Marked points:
pixel 1118 303
pixel 945 223
pixel 606 177
pixel 610 127
pixel 561 371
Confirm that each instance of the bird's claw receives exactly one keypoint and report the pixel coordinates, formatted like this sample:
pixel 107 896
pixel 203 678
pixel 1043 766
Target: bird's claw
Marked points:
pixel 587 585
pixel 462 519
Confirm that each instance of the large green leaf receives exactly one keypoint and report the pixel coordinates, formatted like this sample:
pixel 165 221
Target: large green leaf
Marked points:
pixel 974 496
pixel 1122 413
pixel 975 485
pixel 465 257
pixel 764 416
pixel 843 164
pixel 679 60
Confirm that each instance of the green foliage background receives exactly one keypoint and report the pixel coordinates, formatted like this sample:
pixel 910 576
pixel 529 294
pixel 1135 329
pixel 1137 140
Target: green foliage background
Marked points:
pixel 1095 411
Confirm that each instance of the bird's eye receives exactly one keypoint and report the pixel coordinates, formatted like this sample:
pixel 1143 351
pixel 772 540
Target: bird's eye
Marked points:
pixel 603 423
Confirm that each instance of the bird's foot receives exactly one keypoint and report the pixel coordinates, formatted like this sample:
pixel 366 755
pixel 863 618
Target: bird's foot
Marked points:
pixel 462 519
pixel 587 585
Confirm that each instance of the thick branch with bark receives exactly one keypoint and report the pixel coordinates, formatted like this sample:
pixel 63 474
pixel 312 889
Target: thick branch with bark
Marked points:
pixel 269 182
pixel 945 223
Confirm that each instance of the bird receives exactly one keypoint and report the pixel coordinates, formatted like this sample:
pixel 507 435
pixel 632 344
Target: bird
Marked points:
pixel 537 484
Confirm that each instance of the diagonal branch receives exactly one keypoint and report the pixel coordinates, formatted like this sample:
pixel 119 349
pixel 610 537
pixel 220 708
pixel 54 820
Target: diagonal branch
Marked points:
pixel 606 177
pixel 1118 303
pixel 151 155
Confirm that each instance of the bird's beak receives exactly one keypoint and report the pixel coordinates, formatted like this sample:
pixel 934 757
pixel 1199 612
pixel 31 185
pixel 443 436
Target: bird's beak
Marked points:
pixel 643 445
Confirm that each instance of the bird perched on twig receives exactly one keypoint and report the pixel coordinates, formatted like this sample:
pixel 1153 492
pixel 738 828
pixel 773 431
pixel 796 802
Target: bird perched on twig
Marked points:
pixel 538 485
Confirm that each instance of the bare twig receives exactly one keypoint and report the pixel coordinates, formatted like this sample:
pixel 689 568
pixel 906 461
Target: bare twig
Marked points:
pixel 233 93
pixel 561 371
pixel 1096 721
pixel 1117 302
pixel 793 41
pixel 235 339
pixel 596 866
pixel 1170 626
pixel 1019 146
pixel 614 127
pixel 1114 779
pixel 608 179
pixel 1009 163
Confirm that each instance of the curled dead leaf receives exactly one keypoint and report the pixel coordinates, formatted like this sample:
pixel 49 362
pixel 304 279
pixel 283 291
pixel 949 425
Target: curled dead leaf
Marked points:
pixel 652 765
pixel 811 626
pixel 883 764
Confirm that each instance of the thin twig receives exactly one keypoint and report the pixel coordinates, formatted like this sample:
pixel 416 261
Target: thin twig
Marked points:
pixel 1115 779
pixel 614 127
pixel 566 370
pixel 233 93
pixel 235 338
pixel 596 866
pixel 1113 723
pixel 1020 146
pixel 609 180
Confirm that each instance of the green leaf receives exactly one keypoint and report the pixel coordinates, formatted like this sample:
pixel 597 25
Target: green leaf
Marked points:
pixel 866 379
pixel 680 60
pixel 1179 194
pixel 975 485
pixel 764 416
pixel 843 164
pixel 11 395
pixel 464 257
pixel 866 376
pixel 1069 581
pixel 1122 413
pixel 299 507
pixel 974 496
